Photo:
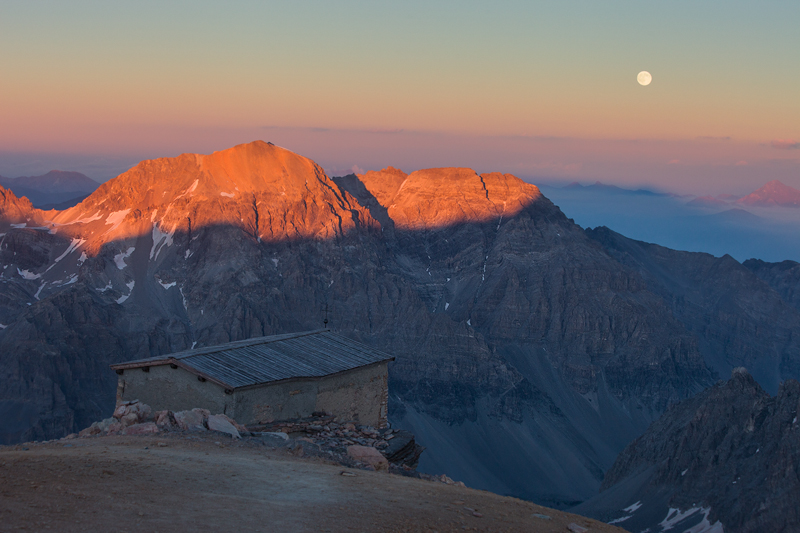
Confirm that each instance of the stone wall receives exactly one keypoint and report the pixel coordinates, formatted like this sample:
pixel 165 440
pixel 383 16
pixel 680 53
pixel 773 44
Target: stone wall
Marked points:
pixel 358 395
pixel 175 389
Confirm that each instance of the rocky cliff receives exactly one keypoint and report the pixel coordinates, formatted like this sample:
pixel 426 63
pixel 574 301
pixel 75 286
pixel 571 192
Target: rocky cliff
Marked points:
pixel 728 456
pixel 738 319
pixel 528 354
pixel 784 277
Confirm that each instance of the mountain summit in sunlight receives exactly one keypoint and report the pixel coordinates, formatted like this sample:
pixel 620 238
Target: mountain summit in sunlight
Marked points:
pixel 773 194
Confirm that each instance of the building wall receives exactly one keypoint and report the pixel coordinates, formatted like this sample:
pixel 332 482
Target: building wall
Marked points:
pixel 359 395
pixel 172 388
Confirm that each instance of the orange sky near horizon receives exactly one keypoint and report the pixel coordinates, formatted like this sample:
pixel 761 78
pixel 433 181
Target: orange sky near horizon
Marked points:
pixel 91 77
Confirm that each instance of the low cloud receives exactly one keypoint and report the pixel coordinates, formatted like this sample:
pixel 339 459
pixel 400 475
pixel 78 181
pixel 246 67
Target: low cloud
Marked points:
pixel 785 144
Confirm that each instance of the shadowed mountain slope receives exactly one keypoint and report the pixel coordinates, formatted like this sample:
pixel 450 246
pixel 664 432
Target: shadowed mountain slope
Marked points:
pixel 728 455
pixel 738 319
pixel 784 277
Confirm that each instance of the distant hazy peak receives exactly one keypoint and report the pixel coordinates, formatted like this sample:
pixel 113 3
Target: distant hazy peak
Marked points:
pixel 772 194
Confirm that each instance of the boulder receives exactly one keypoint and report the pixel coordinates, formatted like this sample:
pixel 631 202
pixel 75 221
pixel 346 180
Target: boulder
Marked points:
pixel 370 456
pixel 190 420
pixel 145 428
pixel 132 412
pixel 222 423
pixel 98 427
pixel 166 420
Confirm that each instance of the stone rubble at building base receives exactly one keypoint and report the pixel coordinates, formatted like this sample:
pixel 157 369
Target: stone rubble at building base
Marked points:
pixel 349 444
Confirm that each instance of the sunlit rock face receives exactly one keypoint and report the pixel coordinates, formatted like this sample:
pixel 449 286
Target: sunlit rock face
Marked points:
pixel 527 355
pixel 267 191
pixel 440 197
pixel 16 211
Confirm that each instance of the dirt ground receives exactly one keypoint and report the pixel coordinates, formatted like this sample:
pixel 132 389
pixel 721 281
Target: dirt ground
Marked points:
pixel 170 483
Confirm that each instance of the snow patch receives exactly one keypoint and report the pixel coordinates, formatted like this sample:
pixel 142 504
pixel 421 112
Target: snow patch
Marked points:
pixel 96 216
pixel 166 285
pixel 116 218
pixel 275 262
pixel 185 306
pixel 469 322
pixel 3 326
pixel 794 421
pixel 193 345
pixel 27 274
pixel 153 216
pixel 160 240
pixel 22 225
pixel 82 258
pixel 633 508
pixel 227 194
pixel 684 472
pixel 446 305
pixel 676 516
pixel 187 254
pixel 107 287
pixel 130 285
pixel 76 243
pixel 618 520
pixel 40 290
pixel 120 258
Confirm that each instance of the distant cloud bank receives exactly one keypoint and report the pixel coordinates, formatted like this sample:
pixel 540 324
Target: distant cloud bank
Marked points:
pixel 785 144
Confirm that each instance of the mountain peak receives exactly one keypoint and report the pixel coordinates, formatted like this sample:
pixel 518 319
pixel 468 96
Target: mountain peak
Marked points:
pixel 438 197
pixel 271 192
pixel 774 193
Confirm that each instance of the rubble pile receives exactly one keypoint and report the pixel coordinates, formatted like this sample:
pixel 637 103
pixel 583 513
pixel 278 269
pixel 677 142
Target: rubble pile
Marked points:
pixel 137 418
pixel 347 443
pixel 398 446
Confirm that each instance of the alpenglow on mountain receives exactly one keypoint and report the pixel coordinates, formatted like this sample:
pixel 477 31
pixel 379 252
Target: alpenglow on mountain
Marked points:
pixel 529 352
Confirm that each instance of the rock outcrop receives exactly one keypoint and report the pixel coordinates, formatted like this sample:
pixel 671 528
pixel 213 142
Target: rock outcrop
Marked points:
pixel 730 455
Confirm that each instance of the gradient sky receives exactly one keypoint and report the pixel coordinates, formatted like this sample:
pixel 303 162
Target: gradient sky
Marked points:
pixel 545 90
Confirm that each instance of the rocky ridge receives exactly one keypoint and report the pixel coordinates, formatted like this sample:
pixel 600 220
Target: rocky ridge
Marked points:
pixel 525 349
pixel 783 277
pixel 728 455
pixel 738 319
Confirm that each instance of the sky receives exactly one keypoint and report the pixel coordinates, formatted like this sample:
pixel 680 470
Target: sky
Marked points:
pixel 544 90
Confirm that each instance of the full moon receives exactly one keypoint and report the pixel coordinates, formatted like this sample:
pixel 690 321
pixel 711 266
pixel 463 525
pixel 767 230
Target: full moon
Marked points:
pixel 644 78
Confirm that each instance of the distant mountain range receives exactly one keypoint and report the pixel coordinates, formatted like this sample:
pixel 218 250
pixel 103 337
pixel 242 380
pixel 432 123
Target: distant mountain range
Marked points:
pixel 57 189
pixel 613 189
pixel 773 194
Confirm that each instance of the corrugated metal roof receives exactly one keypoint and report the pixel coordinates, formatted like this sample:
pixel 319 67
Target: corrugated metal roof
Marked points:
pixel 265 359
